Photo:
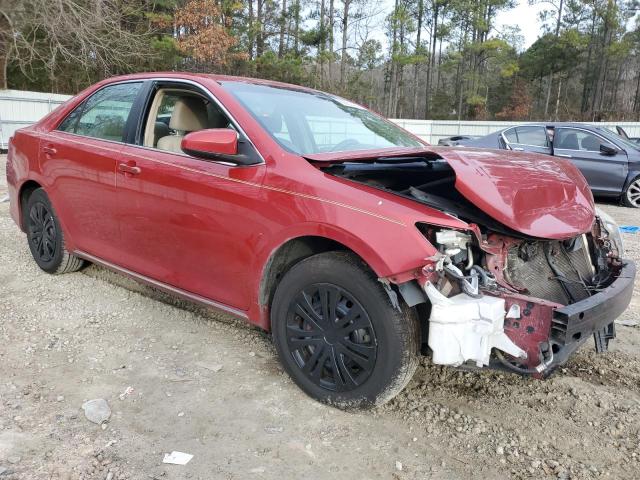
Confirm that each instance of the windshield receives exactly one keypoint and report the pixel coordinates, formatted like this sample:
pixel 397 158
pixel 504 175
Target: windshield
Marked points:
pixel 307 122
pixel 617 139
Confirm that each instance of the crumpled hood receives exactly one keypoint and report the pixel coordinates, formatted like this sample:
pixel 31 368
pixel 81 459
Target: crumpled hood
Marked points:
pixel 534 194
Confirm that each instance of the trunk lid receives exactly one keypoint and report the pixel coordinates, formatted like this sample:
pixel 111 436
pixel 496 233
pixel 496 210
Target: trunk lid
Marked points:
pixel 537 195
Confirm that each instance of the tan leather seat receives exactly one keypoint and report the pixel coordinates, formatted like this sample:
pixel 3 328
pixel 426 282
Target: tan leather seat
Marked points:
pixel 189 115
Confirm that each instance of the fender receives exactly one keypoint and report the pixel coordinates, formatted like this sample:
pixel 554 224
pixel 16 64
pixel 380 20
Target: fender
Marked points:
pixel 634 172
pixel 68 240
pixel 381 265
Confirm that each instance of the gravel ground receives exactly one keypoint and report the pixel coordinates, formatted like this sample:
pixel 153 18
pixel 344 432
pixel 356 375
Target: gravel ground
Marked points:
pixel 207 385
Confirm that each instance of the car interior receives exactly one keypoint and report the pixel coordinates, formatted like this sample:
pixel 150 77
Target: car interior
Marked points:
pixel 176 113
pixel 582 141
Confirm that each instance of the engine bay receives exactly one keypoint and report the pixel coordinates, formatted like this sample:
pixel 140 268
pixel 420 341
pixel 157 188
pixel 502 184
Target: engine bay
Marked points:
pixel 493 291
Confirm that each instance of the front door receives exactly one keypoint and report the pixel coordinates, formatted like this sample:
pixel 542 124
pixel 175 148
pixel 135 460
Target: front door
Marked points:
pixel 187 222
pixel 605 173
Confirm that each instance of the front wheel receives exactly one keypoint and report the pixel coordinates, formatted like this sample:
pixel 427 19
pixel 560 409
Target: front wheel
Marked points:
pixel 338 334
pixel 631 196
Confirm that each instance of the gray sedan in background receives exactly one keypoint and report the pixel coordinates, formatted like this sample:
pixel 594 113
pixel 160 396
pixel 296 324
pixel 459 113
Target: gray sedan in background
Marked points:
pixel 609 162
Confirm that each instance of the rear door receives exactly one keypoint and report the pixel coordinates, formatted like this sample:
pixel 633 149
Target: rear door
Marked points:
pixel 604 173
pixel 187 222
pixel 528 138
pixel 79 158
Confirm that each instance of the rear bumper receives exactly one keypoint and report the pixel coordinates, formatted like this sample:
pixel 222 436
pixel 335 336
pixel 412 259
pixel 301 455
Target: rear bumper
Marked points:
pixel 575 323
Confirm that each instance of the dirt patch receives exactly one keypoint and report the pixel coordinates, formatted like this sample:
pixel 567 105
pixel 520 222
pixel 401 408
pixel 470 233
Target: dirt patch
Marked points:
pixel 206 384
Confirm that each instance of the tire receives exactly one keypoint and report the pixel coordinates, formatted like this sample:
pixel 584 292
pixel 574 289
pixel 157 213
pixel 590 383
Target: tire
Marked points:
pixel 631 195
pixel 365 357
pixel 45 236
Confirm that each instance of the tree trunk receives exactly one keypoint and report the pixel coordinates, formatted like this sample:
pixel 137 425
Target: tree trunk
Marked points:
pixel 296 41
pixel 331 26
pixel 4 60
pixel 321 46
pixel 416 66
pixel 283 25
pixel 260 36
pixel 5 50
pixel 636 98
pixel 555 117
pixel 432 58
pixel 548 97
pixel 343 57
pixel 393 84
pixel 250 33
pixel 587 70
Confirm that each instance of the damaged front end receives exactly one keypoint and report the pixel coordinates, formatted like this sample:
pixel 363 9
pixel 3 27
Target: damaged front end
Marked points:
pixel 522 304
pixel 532 277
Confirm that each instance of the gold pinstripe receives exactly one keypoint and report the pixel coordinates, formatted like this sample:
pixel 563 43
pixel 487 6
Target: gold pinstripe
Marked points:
pixel 244 182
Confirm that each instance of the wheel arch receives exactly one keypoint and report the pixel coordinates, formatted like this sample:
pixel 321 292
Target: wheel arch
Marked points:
pixel 287 254
pixel 631 176
pixel 26 189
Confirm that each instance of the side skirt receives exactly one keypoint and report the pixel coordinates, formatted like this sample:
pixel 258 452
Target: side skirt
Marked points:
pixel 192 297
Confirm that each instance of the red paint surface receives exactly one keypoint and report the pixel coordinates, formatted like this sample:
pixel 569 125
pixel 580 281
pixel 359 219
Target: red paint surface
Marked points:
pixel 534 194
pixel 211 228
pixel 532 328
pixel 213 140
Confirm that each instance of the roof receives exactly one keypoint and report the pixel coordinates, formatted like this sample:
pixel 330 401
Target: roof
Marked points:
pixel 555 124
pixel 211 76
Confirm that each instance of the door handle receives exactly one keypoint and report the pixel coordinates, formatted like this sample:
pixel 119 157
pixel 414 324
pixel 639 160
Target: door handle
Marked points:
pixel 49 150
pixel 562 155
pixel 517 149
pixel 129 169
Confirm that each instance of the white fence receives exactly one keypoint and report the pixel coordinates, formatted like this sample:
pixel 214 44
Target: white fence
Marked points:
pixel 20 108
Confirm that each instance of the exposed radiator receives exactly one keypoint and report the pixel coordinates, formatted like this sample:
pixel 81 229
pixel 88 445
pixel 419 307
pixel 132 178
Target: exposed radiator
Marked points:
pixel 528 268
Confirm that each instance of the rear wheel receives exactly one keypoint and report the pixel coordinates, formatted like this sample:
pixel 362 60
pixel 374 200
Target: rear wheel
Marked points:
pixel 46 240
pixel 631 196
pixel 338 334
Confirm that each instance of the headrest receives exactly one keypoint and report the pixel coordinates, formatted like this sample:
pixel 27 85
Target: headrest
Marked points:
pixel 161 129
pixel 569 141
pixel 189 115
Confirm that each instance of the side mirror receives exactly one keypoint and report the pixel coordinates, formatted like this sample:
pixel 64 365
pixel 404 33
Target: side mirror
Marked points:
pixel 213 144
pixel 607 150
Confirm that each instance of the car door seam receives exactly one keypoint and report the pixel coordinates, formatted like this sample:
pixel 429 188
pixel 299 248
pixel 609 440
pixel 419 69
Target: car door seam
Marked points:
pixel 244 182
pixel 269 187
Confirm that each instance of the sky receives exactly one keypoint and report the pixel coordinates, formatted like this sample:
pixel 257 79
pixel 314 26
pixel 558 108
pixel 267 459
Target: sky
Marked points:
pixel 524 16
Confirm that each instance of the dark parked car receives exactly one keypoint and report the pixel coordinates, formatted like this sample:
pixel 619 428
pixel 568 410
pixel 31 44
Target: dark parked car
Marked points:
pixel 358 247
pixel 609 162
pixel 451 141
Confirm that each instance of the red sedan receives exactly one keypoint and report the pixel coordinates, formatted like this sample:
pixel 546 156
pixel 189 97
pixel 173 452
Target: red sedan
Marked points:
pixel 356 244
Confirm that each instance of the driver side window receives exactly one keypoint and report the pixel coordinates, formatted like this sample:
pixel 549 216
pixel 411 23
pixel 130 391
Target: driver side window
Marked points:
pixel 579 140
pixel 175 113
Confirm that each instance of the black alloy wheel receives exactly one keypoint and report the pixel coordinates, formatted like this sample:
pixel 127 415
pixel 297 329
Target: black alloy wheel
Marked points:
pixel 42 232
pixel 330 337
pixel 45 236
pixel 339 333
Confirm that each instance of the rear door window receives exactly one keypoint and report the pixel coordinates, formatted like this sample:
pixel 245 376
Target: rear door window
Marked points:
pixel 104 114
pixel 535 136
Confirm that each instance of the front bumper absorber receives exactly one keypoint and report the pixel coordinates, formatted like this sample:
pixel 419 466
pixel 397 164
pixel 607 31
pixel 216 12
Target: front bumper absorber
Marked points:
pixel 573 324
